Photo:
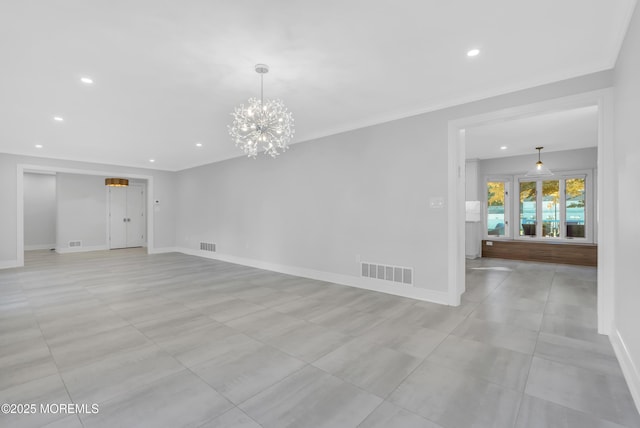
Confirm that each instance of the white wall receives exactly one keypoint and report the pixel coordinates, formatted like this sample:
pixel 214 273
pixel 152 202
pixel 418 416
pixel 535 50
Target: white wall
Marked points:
pixel 39 211
pixel 164 220
pixel 566 160
pixel 364 193
pixel 627 235
pixel 81 212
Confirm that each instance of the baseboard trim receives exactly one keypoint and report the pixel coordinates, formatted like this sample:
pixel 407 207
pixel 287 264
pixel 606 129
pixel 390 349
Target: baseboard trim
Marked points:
pixel 164 250
pixel 8 264
pixel 81 249
pixel 629 369
pixel 440 297
pixel 39 247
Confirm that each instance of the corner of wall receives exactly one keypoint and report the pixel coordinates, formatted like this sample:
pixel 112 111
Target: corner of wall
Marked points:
pixel 629 370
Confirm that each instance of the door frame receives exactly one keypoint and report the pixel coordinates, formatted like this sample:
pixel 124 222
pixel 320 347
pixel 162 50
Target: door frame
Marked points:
pixel 22 168
pixel 605 182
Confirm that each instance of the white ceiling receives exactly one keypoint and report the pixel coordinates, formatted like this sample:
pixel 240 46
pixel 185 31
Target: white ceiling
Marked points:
pixel 556 131
pixel 168 73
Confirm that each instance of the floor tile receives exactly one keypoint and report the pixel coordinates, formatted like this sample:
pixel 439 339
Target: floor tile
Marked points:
pixel 181 399
pixel 490 311
pixel 151 337
pixel 598 356
pixel 234 418
pixel 498 334
pixel 23 361
pixel 119 373
pixel 311 398
pixel 370 366
pixel 602 396
pixel 388 415
pixel 408 338
pixel 432 316
pixel 246 370
pixel 45 390
pixel 347 320
pixel 456 400
pixel 78 352
pixel 498 365
pixel 230 309
pixel 203 344
pixel 537 413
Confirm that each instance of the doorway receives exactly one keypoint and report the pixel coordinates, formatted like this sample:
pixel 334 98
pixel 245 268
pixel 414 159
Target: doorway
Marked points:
pixel 148 180
pixel 603 99
pixel 127 219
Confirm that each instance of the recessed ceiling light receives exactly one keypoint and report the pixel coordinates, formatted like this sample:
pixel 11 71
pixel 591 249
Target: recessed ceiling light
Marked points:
pixel 38 146
pixel 58 119
pixel 86 80
pixel 473 52
pixel 503 147
pixel 152 160
pixel 198 144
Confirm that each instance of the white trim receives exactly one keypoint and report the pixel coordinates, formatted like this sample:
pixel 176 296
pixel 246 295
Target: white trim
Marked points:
pixel 165 250
pixel 629 370
pixel 22 168
pixel 605 189
pixel 352 281
pixel 8 264
pixel 39 247
pixel 606 204
pixel 81 249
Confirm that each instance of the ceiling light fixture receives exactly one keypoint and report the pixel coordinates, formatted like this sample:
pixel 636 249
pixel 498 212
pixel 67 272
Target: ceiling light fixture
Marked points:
pixel 86 80
pixel 264 123
pixel 58 119
pixel 116 182
pixel 473 52
pixel 503 147
pixel 539 170
pixel 152 160
pixel 38 146
pixel 198 144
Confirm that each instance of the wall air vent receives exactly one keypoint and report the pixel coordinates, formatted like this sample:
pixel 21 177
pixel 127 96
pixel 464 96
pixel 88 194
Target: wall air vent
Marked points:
pixel 75 244
pixel 398 274
pixel 207 246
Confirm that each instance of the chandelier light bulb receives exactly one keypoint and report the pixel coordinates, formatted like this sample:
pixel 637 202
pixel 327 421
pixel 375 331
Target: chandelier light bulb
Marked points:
pixel 263 125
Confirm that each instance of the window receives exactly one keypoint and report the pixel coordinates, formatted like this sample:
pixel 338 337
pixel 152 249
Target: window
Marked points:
pixel 575 207
pixel 556 208
pixel 497 208
pixel 553 209
pixel 528 212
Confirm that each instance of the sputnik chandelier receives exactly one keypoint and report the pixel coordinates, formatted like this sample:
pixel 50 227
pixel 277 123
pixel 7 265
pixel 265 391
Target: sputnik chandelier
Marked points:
pixel 262 124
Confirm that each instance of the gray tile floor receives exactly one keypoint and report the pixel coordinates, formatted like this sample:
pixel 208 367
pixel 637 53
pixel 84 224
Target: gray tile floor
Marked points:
pixel 173 340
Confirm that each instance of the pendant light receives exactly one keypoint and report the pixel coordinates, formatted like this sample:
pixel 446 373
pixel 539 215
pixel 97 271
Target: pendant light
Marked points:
pixel 539 170
pixel 263 124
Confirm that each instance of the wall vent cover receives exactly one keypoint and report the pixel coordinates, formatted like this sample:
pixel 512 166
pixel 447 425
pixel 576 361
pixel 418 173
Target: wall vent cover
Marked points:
pixel 75 243
pixel 397 274
pixel 207 246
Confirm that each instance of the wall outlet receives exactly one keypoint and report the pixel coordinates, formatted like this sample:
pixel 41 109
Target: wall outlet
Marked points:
pixel 489 243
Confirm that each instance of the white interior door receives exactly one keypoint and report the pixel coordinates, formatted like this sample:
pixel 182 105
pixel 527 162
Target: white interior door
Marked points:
pixel 135 216
pixel 126 216
pixel 117 217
